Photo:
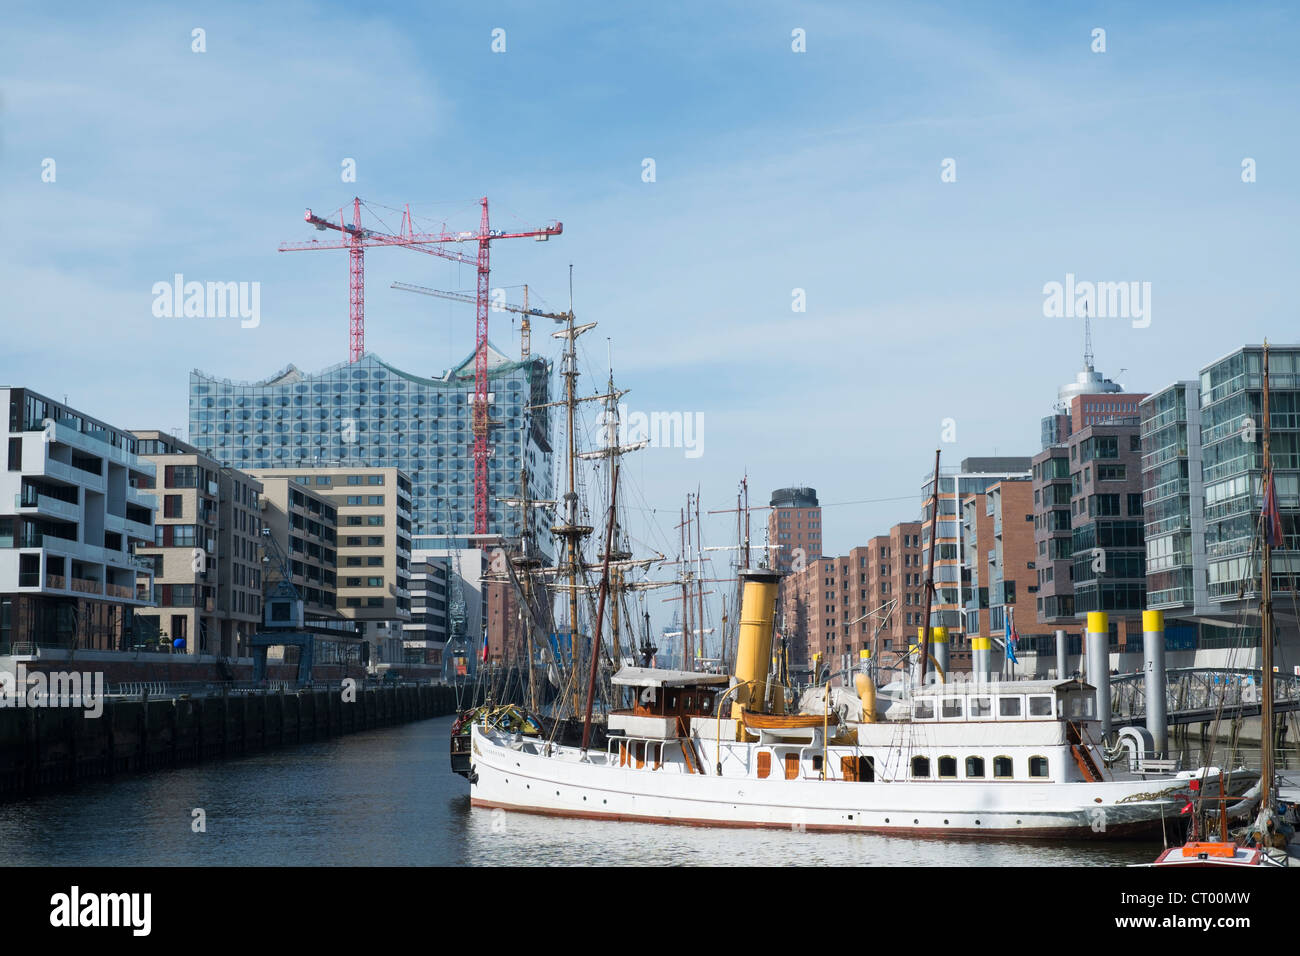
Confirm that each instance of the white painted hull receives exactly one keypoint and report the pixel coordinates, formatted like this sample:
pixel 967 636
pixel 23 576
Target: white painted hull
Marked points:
pixel 564 784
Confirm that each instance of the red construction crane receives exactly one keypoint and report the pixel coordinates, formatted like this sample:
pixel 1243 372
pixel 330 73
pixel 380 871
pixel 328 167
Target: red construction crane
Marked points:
pixel 485 237
pixel 355 239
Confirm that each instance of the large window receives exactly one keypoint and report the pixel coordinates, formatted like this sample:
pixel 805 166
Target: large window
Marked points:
pixel 921 767
pixel 974 767
pixel 947 766
pixel 1002 767
pixel 1038 766
pixel 1040 706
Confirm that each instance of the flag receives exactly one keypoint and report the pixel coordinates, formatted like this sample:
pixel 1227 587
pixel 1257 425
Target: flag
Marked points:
pixel 1009 629
pixel 1272 521
pixel 485 647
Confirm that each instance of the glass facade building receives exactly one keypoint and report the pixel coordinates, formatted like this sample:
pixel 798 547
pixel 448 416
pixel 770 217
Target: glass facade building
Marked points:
pixel 369 413
pixel 1173 499
pixel 1231 398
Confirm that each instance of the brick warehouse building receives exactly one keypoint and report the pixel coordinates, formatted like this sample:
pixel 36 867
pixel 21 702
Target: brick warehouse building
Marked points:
pixel 868 599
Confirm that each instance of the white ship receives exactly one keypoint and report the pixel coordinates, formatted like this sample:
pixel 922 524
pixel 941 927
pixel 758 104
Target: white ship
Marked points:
pixel 1011 759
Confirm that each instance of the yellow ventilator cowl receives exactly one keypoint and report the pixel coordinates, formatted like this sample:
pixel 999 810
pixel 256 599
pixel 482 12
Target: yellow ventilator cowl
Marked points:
pixel 1153 621
pixel 754 643
pixel 1098 622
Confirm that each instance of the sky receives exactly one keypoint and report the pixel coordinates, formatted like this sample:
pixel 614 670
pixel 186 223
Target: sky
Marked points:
pixel 915 175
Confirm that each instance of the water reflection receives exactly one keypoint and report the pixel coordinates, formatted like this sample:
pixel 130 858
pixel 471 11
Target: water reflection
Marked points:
pixel 387 797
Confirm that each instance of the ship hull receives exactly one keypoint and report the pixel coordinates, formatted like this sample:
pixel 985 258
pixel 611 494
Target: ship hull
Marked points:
pixel 562 784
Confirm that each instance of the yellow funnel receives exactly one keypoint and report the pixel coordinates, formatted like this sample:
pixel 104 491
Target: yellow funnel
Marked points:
pixel 754 646
pixel 866 688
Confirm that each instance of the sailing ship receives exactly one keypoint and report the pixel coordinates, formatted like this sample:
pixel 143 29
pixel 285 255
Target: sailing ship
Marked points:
pixel 969 759
pixel 1004 759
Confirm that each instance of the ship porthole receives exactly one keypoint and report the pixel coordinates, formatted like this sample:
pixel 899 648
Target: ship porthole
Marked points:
pixel 886 819
pixel 916 821
pixel 977 823
pixel 1096 799
pixel 1017 823
pixel 945 821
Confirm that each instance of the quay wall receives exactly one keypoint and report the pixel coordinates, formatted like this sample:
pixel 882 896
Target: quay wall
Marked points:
pixel 42 747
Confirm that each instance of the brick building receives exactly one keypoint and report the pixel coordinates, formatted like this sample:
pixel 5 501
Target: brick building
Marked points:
pixel 794 528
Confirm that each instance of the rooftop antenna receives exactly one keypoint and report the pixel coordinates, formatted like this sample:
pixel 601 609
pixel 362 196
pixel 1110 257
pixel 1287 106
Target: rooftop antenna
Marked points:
pixel 1087 338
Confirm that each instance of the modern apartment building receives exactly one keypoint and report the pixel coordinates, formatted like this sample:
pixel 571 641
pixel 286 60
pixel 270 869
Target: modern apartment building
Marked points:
pixel 72 513
pixel 1202 488
pixel 373 581
pixel 207 576
pixel 426 633
pixel 370 414
pixel 952 577
pixel 1232 470
pixel 1053 537
pixel 1173 501
pixel 794 528
pixel 468 570
pixel 304 524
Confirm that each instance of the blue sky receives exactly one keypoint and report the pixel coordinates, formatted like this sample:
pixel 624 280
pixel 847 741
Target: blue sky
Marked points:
pixel 775 170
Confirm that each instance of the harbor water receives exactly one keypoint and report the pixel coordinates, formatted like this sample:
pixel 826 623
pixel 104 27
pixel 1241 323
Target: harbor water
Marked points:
pixel 388 798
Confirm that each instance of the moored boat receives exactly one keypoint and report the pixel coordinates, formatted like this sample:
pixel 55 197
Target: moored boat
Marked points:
pixel 1006 760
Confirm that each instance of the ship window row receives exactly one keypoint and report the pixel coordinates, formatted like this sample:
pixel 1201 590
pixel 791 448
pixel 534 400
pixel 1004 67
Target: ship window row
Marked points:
pixel 976 769
pixel 1004 707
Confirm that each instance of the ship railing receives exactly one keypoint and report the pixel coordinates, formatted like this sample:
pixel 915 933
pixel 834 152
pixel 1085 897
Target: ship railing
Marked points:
pixel 646 742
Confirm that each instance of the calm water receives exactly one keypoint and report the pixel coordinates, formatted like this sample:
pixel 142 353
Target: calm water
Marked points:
pixel 388 798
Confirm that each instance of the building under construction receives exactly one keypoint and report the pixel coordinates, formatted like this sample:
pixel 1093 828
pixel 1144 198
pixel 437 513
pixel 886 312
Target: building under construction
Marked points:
pixel 370 414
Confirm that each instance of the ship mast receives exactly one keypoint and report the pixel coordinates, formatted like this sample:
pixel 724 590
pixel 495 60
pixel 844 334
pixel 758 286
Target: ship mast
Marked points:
pixel 1266 612
pixel 929 580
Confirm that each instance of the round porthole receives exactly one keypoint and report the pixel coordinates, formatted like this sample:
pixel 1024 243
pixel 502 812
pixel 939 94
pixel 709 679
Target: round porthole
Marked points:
pixel 1096 799
pixel 886 819
pixel 916 821
pixel 945 821
pixel 977 823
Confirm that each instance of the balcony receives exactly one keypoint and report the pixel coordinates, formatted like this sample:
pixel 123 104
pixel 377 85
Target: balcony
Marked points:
pixel 76 476
pixel 86 586
pixel 142 498
pixel 132 529
pixel 96 443
pixel 44 505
